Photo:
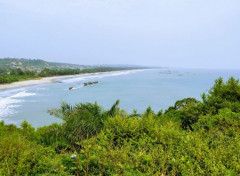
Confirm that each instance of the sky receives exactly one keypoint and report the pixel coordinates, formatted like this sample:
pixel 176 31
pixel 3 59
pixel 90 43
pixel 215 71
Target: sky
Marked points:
pixel 165 33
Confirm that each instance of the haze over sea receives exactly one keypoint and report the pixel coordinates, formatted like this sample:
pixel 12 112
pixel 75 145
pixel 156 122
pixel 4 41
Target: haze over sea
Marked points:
pixel 136 89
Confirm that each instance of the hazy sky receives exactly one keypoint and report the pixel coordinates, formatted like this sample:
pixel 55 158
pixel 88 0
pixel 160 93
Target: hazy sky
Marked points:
pixel 174 33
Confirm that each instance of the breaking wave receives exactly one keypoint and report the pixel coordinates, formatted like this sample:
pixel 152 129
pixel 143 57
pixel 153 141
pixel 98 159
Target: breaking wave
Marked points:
pixel 97 76
pixel 9 104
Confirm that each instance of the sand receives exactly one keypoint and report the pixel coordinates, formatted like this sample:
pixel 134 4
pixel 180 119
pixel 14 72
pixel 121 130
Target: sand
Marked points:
pixel 50 80
pixel 47 80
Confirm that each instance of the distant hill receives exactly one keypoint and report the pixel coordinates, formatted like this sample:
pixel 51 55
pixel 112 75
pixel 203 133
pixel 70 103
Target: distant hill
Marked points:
pixel 38 65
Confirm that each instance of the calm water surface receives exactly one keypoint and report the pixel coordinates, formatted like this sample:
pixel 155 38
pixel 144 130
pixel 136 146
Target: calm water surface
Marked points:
pixel 157 88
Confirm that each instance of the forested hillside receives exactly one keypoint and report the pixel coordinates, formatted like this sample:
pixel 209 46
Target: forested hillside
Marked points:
pixel 190 138
pixel 36 64
pixel 13 70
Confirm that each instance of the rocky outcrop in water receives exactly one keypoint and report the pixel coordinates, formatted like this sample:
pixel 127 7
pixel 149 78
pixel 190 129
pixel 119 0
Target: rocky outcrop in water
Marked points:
pixel 90 83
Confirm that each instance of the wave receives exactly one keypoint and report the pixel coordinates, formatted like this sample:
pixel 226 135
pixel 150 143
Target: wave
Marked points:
pixel 9 92
pixel 98 76
pixel 8 105
pixel 23 94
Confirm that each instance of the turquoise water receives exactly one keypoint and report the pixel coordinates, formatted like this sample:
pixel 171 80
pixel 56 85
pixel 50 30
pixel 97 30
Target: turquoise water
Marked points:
pixel 157 88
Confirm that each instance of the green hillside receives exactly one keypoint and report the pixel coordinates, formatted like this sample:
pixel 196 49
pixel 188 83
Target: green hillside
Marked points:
pixel 39 65
pixel 36 64
pixel 13 70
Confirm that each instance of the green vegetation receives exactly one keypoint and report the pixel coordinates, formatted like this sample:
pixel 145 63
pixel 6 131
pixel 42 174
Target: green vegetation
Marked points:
pixel 50 72
pixel 190 138
pixel 13 69
pixel 14 75
pixel 36 64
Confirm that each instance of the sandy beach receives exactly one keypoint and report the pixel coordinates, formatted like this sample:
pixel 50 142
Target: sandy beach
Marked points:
pixel 47 80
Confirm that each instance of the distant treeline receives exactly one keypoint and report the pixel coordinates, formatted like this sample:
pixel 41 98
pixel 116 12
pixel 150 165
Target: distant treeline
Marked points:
pixel 14 75
pixel 190 138
pixel 53 72
pixel 35 64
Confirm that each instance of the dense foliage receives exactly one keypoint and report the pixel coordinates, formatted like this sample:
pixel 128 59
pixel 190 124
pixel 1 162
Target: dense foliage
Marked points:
pixel 54 72
pixel 14 75
pixel 190 138
pixel 25 64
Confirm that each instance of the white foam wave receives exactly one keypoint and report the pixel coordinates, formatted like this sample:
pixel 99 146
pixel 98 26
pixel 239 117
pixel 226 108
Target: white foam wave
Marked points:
pixel 77 79
pixel 98 76
pixel 23 94
pixel 8 105
pixel 7 93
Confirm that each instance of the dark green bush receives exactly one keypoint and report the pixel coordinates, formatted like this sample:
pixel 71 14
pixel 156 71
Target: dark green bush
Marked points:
pixel 190 138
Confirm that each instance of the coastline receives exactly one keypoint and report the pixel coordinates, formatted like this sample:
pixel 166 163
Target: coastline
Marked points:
pixel 46 80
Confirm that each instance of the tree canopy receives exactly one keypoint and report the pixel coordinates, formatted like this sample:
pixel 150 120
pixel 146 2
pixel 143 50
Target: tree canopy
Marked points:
pixel 190 138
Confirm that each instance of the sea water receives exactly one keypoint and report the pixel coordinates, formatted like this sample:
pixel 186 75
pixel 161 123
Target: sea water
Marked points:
pixel 136 89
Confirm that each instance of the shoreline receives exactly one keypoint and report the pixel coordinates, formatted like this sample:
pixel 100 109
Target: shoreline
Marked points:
pixel 31 82
pixel 47 80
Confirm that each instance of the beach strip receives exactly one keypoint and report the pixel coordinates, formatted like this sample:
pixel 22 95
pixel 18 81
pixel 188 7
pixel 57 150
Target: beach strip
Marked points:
pixel 49 80
pixel 46 80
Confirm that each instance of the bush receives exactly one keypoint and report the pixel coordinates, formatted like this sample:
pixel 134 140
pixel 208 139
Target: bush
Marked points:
pixel 190 138
pixel 20 156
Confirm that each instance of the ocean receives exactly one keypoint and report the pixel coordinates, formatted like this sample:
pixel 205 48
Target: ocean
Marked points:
pixel 136 89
